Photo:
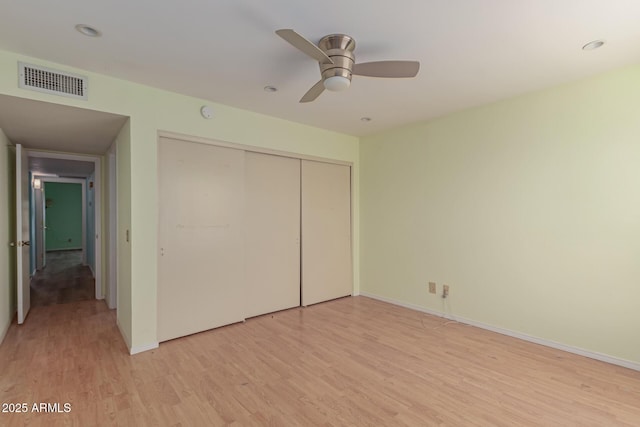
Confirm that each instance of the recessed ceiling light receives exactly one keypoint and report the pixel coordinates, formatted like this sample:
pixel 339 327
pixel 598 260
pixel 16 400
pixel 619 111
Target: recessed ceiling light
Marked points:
pixel 270 89
pixel 365 119
pixel 593 45
pixel 88 31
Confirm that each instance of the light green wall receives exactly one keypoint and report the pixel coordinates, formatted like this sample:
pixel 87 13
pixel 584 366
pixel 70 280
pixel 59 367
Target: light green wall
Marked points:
pixel 123 184
pixel 63 203
pixel 105 230
pixel 528 208
pixel 7 234
pixel 150 111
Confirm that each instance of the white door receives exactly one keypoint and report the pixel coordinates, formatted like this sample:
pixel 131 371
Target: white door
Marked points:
pixel 326 232
pixel 22 233
pixel 201 237
pixel 272 245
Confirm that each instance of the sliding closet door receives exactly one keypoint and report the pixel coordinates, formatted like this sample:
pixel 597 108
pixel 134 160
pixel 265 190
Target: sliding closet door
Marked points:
pixel 272 245
pixel 201 237
pixel 326 231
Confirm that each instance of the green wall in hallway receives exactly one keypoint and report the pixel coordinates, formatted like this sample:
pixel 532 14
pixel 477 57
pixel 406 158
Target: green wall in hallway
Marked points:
pixel 63 215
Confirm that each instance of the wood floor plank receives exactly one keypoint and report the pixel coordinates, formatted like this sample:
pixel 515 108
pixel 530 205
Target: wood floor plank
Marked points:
pixel 353 361
pixel 64 279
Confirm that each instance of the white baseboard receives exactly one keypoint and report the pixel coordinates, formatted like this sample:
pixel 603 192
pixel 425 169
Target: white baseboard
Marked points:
pixel 136 349
pixel 145 347
pixel 3 333
pixel 5 329
pixel 124 336
pixel 548 343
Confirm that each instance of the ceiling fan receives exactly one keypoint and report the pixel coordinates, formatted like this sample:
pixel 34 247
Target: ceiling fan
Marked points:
pixel 335 55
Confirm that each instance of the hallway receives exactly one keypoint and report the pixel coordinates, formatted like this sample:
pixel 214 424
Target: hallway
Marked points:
pixel 64 279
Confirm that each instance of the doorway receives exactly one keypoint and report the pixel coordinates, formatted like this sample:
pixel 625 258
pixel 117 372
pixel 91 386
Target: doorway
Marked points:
pixel 91 134
pixel 65 217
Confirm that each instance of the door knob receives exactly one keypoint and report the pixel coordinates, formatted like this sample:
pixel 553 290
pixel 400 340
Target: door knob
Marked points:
pixel 12 244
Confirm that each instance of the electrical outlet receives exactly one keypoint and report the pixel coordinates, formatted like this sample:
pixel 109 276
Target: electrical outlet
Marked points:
pixel 445 291
pixel 432 287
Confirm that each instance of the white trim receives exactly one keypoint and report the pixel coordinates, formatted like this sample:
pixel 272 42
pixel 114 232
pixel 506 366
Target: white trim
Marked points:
pixel 250 148
pixel 142 348
pixel 548 343
pixel 139 348
pixel 3 334
pixel 65 156
pixel 97 186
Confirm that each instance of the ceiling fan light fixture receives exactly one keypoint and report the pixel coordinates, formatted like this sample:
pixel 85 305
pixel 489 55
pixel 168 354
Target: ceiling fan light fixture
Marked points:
pixel 337 83
pixel 337 62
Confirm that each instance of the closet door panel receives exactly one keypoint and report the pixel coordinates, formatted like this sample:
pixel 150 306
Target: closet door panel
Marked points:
pixel 272 209
pixel 326 232
pixel 201 237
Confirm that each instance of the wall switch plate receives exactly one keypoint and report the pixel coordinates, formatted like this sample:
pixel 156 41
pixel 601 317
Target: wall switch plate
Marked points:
pixel 432 287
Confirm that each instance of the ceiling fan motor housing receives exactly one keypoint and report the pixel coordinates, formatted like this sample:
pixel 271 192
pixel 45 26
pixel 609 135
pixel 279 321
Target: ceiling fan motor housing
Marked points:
pixel 338 47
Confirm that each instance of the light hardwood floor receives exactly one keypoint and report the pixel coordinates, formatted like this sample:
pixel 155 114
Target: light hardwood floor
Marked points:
pixel 349 362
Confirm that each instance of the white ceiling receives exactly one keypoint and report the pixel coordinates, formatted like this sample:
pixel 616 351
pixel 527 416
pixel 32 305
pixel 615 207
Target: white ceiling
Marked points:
pixel 46 126
pixel 472 51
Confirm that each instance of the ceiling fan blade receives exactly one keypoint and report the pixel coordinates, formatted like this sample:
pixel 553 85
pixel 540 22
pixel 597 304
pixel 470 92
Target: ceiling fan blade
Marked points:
pixel 314 92
pixel 304 45
pixel 387 69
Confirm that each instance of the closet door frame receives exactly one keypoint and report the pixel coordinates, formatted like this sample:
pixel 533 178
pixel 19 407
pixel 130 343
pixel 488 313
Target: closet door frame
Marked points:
pixel 255 149
pixel 264 150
